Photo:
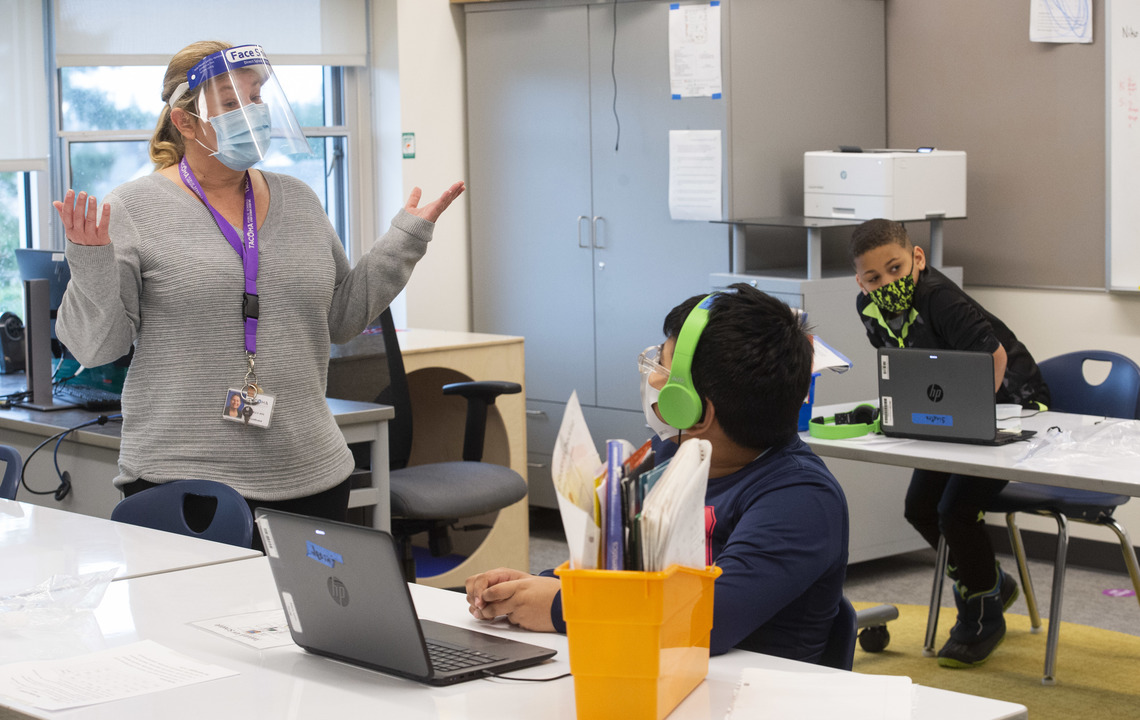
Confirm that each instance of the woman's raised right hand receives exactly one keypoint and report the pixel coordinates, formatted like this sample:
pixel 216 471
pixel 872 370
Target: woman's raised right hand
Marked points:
pixel 80 223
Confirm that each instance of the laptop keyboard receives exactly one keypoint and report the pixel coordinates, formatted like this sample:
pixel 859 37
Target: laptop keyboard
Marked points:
pixel 88 398
pixel 447 658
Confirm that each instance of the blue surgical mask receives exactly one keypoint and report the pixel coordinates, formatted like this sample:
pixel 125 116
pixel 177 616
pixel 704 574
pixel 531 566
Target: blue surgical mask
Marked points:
pixel 243 136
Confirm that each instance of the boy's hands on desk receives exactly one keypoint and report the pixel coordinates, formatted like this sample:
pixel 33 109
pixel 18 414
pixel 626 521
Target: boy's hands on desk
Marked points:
pixel 524 599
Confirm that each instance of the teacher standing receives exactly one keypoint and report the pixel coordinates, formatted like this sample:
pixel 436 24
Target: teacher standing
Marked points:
pixel 227 278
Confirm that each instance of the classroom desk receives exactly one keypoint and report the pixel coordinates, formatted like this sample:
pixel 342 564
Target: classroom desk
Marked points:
pixel 1113 476
pixel 91 455
pixel 38 542
pixel 286 682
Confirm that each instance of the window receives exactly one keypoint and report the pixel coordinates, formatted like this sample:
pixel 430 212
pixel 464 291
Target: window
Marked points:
pixel 108 114
pixel 17 229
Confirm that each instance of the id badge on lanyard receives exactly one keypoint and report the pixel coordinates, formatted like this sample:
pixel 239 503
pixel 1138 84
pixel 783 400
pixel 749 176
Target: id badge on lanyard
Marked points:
pixel 247 404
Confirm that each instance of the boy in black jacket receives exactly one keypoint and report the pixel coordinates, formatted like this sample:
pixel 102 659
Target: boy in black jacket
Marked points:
pixel 904 303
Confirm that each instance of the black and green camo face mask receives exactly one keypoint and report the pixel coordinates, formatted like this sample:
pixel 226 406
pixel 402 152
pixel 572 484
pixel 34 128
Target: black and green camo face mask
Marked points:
pixel 895 297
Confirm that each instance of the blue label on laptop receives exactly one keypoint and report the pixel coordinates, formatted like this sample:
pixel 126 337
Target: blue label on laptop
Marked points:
pixel 322 555
pixel 929 419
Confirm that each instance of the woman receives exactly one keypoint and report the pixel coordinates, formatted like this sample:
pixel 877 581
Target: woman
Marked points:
pixel 227 279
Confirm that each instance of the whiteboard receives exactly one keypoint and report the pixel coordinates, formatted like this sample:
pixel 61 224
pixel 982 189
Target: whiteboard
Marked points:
pixel 1122 28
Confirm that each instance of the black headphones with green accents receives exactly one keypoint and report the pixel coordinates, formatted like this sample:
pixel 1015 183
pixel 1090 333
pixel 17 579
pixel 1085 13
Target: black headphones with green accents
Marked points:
pixel 862 420
pixel 678 402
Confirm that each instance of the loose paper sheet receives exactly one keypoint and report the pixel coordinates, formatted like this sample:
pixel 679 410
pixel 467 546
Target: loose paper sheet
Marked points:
pixel 264 629
pixel 122 672
pixel 1061 21
pixel 776 694
pixel 695 161
pixel 694 50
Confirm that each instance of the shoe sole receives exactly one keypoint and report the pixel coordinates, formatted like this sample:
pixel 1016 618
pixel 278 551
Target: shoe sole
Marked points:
pixel 953 664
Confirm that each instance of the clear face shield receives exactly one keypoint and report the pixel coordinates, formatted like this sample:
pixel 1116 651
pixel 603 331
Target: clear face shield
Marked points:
pixel 654 375
pixel 239 95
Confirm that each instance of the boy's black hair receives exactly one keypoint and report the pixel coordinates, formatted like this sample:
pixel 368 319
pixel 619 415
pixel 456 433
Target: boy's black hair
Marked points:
pixel 753 361
pixel 876 233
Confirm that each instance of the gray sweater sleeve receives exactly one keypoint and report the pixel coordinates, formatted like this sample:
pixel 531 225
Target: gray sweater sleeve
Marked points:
pixel 99 317
pixel 363 292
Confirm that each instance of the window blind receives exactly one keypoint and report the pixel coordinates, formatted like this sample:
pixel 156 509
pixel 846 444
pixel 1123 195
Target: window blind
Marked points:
pixel 24 126
pixel 144 32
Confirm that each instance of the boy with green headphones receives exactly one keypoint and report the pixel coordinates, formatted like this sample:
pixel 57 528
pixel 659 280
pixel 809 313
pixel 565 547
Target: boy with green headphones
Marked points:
pixel 734 370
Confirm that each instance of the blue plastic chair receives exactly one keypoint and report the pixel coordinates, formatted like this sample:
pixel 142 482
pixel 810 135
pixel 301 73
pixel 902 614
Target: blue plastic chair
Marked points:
pixel 11 481
pixel 163 508
pixel 1118 396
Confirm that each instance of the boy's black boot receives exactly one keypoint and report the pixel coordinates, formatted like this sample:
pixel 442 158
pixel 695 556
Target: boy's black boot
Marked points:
pixel 980 627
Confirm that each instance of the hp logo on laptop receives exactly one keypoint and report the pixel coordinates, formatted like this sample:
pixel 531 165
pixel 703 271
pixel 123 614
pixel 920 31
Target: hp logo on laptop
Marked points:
pixel 338 591
pixel 934 392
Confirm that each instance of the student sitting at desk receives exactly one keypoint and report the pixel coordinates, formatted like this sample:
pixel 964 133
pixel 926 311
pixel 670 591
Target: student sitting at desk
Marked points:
pixel 776 519
pixel 904 303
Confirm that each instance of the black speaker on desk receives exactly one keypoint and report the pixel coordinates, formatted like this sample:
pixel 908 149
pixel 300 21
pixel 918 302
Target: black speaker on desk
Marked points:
pixel 11 344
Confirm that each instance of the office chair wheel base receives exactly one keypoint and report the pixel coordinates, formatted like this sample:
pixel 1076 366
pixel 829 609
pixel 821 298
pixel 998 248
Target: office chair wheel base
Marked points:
pixel 875 638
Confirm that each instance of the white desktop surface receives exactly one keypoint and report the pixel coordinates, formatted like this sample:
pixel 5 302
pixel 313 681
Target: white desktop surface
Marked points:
pixel 287 682
pixel 1115 475
pixel 38 542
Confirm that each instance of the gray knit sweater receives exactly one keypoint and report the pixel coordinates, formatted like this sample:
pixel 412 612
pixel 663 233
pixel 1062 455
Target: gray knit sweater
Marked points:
pixel 171 284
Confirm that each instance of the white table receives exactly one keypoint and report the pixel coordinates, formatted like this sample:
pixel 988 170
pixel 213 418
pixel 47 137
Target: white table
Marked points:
pixel 38 542
pixel 286 682
pixel 999 462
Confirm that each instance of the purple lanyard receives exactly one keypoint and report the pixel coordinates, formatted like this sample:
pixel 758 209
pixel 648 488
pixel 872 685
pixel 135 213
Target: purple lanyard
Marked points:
pixel 247 250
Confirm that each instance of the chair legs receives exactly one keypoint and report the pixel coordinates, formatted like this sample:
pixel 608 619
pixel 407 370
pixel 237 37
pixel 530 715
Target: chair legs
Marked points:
pixel 1018 546
pixel 1129 552
pixel 936 597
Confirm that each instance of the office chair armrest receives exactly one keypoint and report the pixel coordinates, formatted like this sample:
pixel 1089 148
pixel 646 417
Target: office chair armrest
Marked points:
pixel 479 394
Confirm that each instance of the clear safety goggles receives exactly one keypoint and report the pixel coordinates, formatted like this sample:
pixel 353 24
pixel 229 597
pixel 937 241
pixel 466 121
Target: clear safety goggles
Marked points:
pixel 649 362
pixel 235 79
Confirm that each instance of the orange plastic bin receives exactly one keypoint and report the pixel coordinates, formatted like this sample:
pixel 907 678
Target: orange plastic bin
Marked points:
pixel 639 641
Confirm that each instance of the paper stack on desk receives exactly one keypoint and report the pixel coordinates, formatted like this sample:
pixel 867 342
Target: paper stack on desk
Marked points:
pixel 625 513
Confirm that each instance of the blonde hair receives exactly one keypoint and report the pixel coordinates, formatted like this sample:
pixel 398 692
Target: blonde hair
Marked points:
pixel 166 145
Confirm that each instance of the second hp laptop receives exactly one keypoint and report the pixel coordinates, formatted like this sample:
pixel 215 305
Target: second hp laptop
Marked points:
pixel 940 395
pixel 345 597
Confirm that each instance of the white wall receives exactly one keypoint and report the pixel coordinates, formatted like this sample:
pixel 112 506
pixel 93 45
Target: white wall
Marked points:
pixel 419 86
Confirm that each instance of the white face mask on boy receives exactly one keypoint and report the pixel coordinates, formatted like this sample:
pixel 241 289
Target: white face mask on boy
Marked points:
pixel 649 364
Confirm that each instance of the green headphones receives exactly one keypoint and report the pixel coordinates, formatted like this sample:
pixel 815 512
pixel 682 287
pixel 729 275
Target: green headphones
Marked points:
pixel 679 403
pixel 860 421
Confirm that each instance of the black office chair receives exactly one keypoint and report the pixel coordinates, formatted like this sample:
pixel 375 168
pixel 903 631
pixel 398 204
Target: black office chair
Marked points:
pixel 165 508
pixel 1118 396
pixel 11 481
pixel 432 498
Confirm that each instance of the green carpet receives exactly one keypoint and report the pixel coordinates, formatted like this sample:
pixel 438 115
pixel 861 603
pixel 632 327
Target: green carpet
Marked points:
pixel 1097 672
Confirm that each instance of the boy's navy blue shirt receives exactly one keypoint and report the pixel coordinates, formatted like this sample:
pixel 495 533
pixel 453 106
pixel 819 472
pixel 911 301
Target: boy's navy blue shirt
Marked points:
pixel 778 529
pixel 944 317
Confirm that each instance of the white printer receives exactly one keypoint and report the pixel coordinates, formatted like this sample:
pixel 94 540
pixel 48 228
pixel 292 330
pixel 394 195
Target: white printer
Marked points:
pixel 891 184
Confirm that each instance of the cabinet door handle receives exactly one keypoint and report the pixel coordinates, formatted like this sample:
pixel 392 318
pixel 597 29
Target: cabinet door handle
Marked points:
pixel 536 465
pixel 594 231
pixel 535 414
pixel 580 243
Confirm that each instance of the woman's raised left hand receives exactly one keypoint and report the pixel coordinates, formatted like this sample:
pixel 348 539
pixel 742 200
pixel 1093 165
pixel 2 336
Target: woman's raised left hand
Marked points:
pixel 433 210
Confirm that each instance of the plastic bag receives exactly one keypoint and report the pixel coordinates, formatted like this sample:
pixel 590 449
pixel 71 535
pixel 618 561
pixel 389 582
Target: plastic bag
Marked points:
pixel 1109 444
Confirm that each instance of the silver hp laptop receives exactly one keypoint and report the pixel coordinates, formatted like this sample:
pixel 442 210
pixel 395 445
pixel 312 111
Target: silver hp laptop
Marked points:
pixel 345 597
pixel 940 395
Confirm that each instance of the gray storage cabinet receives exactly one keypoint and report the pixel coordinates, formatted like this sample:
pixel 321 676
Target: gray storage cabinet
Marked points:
pixel 572 244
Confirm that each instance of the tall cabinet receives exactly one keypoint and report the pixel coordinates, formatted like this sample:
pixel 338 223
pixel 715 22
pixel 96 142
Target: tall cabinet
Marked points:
pixel 569 113
pixel 572 243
